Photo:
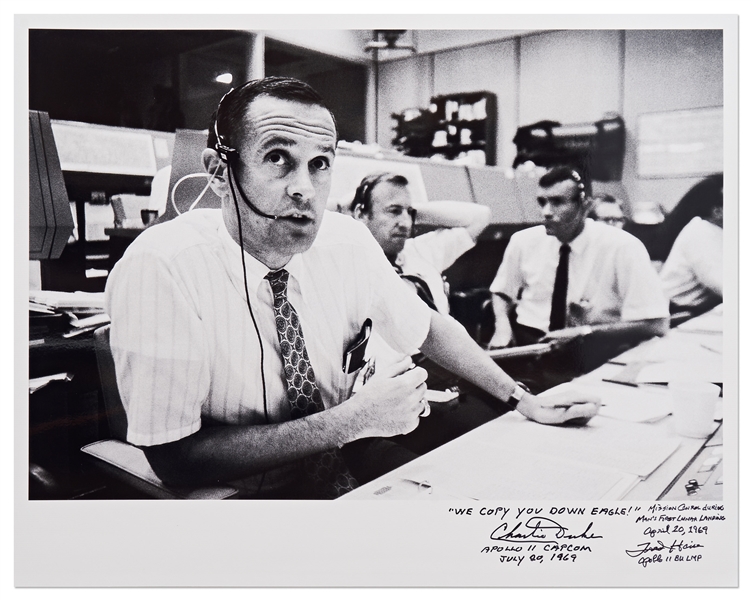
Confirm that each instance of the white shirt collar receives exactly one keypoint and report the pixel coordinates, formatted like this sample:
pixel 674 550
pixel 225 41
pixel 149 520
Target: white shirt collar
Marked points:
pixel 256 271
pixel 579 243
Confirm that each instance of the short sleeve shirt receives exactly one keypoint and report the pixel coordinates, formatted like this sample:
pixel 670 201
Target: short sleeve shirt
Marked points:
pixel 692 274
pixel 184 342
pixel 611 277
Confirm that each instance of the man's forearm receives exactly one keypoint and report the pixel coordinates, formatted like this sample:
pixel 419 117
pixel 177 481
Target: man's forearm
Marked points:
pixel 449 345
pixel 645 328
pixel 629 332
pixel 502 334
pixel 389 404
pixel 227 452
pixel 447 213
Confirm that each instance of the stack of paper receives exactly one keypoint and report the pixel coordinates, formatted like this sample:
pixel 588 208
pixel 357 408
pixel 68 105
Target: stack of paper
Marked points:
pixel 67 313
pixel 680 356
pixel 37 383
pixel 78 302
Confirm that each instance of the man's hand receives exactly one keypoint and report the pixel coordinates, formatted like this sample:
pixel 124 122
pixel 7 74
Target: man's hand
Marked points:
pixel 499 340
pixel 503 335
pixel 391 402
pixel 563 408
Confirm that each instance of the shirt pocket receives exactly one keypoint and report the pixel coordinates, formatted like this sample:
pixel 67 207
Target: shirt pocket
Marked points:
pixel 346 383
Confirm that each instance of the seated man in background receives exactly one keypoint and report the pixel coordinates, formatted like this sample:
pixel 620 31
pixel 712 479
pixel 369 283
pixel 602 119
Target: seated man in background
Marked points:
pixel 692 274
pixel 609 210
pixel 384 204
pixel 572 276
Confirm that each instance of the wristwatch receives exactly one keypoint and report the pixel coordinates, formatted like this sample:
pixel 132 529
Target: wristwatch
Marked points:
pixel 516 396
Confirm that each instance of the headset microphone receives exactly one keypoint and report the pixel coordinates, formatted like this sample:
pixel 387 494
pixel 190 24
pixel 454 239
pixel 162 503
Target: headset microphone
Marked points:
pixel 247 201
pixel 227 153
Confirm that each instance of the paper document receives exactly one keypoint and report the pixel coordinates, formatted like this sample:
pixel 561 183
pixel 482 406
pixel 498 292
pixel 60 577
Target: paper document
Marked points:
pixel 483 473
pixel 40 308
pixel 39 382
pixel 608 443
pixel 708 367
pixel 677 345
pixel 675 370
pixel 475 471
pixel 87 322
pixel 68 300
pixel 711 322
pixel 636 404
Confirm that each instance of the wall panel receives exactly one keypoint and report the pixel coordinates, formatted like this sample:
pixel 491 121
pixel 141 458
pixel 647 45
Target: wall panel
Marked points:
pixel 491 68
pixel 667 70
pixel 401 84
pixel 569 76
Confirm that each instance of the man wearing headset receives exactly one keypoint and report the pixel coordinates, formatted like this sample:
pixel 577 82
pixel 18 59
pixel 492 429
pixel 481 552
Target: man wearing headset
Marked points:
pixel 606 286
pixel 383 202
pixel 235 332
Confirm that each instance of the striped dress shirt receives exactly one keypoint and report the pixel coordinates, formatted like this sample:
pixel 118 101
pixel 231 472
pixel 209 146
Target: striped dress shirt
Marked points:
pixel 184 343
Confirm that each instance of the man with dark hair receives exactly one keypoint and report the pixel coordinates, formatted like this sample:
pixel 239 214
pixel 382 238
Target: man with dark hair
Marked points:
pixel 572 276
pixel 383 202
pixel 235 332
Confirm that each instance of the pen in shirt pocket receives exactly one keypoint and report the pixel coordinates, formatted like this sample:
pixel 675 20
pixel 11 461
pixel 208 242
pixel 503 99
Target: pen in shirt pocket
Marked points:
pixel 368 370
pixel 364 375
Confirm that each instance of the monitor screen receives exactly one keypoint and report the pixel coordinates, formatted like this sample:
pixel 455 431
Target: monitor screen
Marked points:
pixel 50 217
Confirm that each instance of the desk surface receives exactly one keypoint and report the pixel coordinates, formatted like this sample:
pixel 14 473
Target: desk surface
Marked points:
pixel 514 459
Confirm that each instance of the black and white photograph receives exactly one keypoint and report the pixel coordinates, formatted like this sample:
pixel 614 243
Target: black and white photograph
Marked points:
pixel 426 290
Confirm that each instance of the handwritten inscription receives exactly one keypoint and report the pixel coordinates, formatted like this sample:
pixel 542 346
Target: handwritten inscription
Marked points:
pixel 659 534
pixel 537 529
pixel 676 533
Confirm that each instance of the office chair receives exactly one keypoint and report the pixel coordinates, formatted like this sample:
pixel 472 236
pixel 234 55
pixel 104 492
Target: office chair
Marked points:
pixel 123 461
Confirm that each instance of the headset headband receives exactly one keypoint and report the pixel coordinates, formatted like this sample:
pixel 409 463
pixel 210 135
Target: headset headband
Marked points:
pixel 222 149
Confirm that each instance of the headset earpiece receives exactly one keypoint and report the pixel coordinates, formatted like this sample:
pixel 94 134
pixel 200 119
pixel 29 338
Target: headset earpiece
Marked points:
pixel 579 183
pixel 222 149
pixel 224 152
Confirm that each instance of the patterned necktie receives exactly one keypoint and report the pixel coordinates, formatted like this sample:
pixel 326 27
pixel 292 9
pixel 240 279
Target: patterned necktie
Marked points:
pixel 560 289
pixel 327 470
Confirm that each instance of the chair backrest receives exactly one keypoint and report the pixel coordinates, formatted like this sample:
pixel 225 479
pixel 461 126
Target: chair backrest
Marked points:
pixel 117 420
pixel 186 161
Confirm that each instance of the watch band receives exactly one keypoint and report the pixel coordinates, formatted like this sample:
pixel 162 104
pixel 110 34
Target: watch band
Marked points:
pixel 516 396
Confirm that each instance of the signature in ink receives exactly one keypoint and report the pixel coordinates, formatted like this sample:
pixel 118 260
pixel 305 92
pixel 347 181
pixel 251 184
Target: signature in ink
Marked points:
pixel 540 528
pixel 675 546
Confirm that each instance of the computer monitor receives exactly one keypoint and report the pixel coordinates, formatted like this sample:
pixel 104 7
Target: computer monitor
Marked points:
pixel 50 218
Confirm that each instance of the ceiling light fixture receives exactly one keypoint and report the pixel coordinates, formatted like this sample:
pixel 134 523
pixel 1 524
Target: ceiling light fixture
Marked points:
pixel 388 39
